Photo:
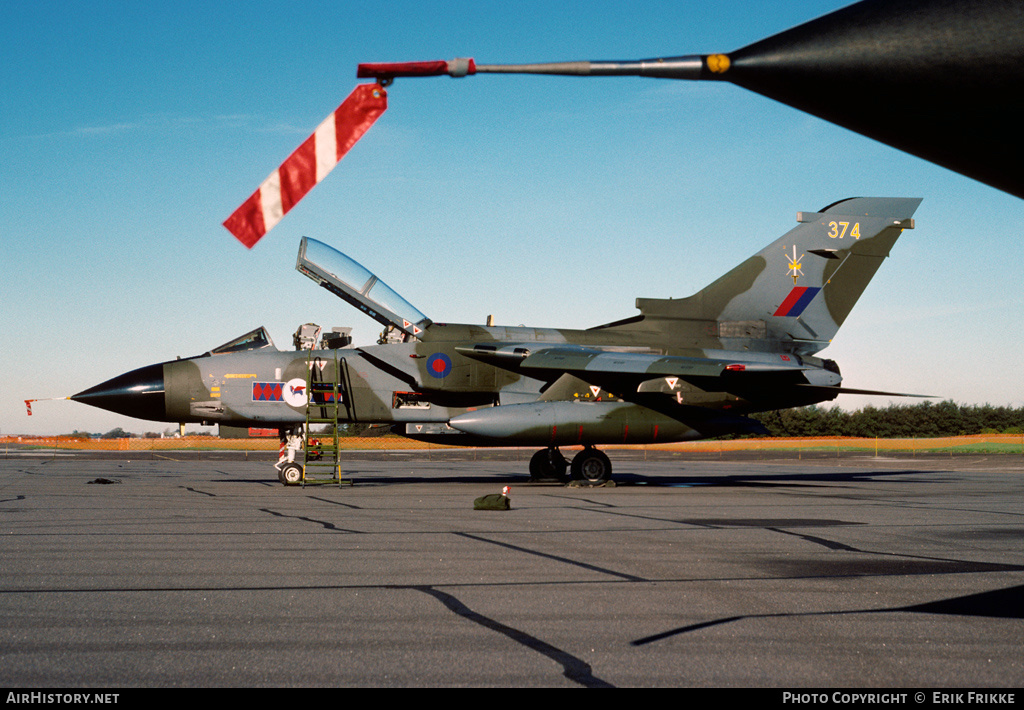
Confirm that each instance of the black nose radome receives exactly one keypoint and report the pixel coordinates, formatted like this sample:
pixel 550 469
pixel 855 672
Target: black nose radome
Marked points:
pixel 139 393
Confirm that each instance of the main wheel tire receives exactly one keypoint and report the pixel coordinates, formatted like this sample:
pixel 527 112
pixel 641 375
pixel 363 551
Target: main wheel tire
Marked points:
pixel 290 474
pixel 592 466
pixel 548 465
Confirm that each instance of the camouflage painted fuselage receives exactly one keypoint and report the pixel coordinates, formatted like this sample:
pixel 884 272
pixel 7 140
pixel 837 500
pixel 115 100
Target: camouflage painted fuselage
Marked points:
pixel 683 368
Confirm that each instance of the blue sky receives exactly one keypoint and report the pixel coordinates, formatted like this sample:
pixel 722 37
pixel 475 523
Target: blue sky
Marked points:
pixel 130 130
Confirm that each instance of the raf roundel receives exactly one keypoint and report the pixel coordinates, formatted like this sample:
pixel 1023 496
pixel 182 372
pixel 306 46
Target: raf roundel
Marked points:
pixel 439 365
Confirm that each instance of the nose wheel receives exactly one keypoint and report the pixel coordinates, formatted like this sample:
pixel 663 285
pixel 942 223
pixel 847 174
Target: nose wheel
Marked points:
pixel 290 474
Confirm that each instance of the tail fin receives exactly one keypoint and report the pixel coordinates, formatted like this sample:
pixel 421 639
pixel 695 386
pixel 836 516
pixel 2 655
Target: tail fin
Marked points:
pixel 801 287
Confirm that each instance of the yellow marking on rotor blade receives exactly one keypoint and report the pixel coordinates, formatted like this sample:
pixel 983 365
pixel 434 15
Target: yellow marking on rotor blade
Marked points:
pixel 718 63
pixel 238 377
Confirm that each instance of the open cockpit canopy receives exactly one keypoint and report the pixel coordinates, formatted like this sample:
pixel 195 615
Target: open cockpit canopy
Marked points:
pixel 352 282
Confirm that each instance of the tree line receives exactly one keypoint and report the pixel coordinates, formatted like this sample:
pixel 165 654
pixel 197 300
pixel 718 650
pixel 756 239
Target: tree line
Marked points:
pixel 897 421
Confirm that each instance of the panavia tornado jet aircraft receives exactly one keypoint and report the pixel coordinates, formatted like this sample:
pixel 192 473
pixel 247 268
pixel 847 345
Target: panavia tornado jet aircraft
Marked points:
pixel 681 369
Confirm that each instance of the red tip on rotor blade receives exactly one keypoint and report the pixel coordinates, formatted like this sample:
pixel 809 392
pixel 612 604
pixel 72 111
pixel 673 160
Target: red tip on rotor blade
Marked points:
pixel 387 70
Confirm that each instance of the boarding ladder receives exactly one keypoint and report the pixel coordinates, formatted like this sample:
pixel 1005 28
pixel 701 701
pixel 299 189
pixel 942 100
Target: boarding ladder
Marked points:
pixel 324 400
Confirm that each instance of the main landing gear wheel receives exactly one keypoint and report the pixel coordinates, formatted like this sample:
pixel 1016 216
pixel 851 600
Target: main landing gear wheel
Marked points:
pixel 592 466
pixel 290 474
pixel 548 465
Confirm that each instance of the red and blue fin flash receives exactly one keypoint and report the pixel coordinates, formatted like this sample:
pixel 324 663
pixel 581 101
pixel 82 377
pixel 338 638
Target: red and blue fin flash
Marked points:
pixel 797 300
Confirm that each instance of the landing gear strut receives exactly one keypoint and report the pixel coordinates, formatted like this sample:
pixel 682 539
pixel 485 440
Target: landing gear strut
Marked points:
pixel 289 471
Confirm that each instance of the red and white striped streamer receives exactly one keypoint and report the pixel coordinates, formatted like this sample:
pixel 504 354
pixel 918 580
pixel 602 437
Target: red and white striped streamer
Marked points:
pixel 28 402
pixel 308 165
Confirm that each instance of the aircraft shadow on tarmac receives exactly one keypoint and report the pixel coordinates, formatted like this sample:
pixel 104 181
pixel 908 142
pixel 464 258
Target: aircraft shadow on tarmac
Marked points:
pixel 999 603
pixel 787 478
pixel 370 476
